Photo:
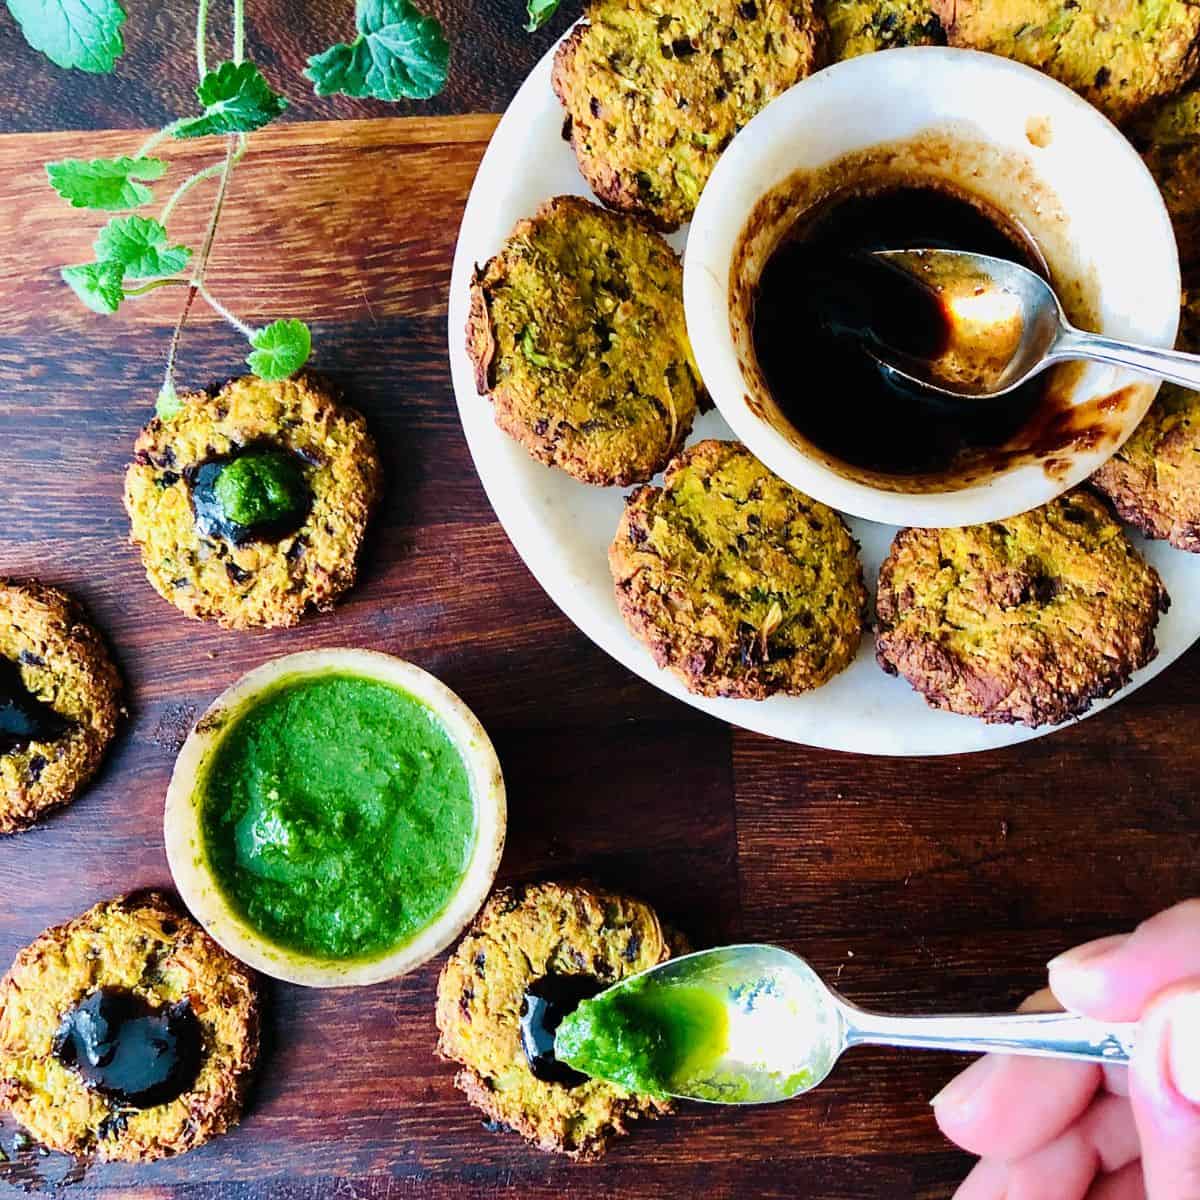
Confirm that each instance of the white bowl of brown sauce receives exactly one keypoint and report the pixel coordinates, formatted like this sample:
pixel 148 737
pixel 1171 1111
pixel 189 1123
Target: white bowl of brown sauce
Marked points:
pixel 914 148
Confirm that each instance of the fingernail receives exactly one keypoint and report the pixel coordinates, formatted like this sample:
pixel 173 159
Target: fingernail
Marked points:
pixel 1088 954
pixel 955 1097
pixel 1183 1046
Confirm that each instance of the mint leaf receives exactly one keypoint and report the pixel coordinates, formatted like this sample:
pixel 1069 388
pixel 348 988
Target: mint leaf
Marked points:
pixel 73 33
pixel 540 11
pixel 138 246
pixel 168 404
pixel 399 54
pixel 97 284
pixel 236 98
pixel 280 349
pixel 107 183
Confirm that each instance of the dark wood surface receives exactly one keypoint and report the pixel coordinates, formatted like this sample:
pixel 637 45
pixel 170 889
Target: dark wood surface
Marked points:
pixel 919 885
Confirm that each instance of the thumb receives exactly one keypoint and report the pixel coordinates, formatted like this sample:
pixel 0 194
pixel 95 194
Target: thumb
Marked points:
pixel 1165 1092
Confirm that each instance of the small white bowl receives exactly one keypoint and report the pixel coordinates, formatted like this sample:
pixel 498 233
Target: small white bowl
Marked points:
pixel 1003 131
pixel 207 902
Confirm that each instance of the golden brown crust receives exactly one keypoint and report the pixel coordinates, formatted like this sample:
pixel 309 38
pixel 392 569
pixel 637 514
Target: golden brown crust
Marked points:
pixel 257 584
pixel 1121 55
pixel 146 944
pixel 738 583
pixel 1153 481
pixel 521 935
pixel 653 96
pixel 64 662
pixel 1026 620
pixel 577 333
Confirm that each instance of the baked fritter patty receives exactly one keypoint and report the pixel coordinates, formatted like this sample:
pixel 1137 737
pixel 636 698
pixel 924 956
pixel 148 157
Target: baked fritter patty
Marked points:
pixel 1154 479
pixel 1170 143
pixel 145 945
pixel 64 663
pixel 738 583
pixel 862 26
pixel 655 93
pixel 1027 620
pixel 1122 55
pixel 578 335
pixel 522 936
pixel 271 582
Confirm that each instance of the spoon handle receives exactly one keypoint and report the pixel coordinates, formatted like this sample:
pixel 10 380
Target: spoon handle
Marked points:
pixel 1171 365
pixel 1041 1035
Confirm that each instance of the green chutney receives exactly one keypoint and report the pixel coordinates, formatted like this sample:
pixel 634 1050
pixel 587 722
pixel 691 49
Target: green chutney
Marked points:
pixel 261 488
pixel 337 815
pixel 652 1039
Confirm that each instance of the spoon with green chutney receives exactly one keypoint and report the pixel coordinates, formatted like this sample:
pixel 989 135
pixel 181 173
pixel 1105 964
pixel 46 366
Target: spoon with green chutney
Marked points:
pixel 755 1024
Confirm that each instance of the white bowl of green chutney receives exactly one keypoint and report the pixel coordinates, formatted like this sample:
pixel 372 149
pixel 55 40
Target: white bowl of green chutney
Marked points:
pixel 336 818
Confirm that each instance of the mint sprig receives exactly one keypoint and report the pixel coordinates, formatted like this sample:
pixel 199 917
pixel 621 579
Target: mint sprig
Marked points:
pixel 84 34
pixel 111 184
pixel 399 54
pixel 99 285
pixel 237 99
pixel 139 246
pixel 280 349
pixel 540 11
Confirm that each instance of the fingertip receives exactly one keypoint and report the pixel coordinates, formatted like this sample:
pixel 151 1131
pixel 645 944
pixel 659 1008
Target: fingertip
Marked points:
pixel 988 1180
pixel 1006 1107
pixel 1081 978
pixel 1165 1091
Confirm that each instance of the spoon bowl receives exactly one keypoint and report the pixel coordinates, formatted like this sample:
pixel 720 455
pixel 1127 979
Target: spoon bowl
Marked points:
pixel 1005 325
pixel 773 1029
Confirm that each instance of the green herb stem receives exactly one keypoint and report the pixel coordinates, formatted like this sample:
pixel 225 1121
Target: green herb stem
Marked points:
pixel 201 38
pixel 245 330
pixel 206 173
pixel 197 280
pixel 156 139
pixel 239 30
pixel 154 284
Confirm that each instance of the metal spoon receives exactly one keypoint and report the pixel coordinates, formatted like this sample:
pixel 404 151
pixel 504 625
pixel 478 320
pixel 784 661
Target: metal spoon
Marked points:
pixel 787 1028
pixel 1006 326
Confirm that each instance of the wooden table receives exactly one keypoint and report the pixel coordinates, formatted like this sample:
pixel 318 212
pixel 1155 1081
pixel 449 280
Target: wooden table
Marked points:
pixel 920 884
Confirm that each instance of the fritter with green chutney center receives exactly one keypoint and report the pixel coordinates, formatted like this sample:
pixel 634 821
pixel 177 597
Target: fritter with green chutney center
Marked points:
pixel 251 504
pixel 736 581
pixel 577 333
pixel 655 93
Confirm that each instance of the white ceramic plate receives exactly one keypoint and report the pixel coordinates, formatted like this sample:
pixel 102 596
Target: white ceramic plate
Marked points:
pixel 562 528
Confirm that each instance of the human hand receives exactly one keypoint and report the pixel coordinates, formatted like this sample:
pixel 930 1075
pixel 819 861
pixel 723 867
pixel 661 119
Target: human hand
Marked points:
pixel 1052 1130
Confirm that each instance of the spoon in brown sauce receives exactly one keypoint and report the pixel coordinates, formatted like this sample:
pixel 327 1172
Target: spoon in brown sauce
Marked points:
pixel 998 325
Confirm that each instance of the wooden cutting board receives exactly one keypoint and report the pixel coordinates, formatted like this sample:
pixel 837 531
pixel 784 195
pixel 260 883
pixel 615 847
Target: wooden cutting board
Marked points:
pixel 915 885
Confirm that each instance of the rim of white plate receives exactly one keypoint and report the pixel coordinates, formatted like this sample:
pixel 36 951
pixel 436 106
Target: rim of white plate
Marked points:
pixel 862 711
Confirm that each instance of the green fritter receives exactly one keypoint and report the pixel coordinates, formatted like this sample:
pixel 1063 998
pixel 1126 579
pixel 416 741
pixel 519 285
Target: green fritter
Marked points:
pixel 142 950
pixel 1027 620
pixel 250 505
pixel 577 333
pixel 60 701
pixel 1170 144
pixel 1122 55
pixel 1154 479
pixel 654 93
pixel 569 936
pixel 738 583
pixel 863 26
